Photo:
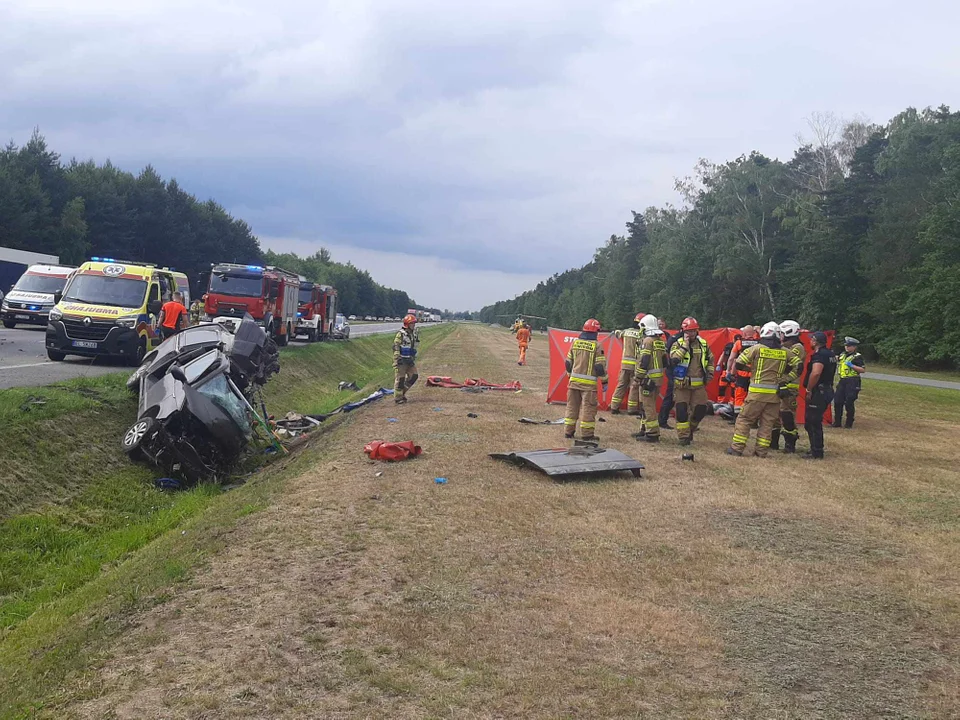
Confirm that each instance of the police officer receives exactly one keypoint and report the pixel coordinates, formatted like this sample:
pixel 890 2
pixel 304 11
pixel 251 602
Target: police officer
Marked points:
pixel 787 423
pixel 820 371
pixel 405 345
pixel 850 367
pixel 650 366
pixel 586 367
pixel 627 385
pixel 692 363
pixel 772 368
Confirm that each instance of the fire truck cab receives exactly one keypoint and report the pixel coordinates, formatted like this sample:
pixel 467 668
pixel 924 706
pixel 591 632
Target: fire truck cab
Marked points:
pixel 318 310
pixel 270 295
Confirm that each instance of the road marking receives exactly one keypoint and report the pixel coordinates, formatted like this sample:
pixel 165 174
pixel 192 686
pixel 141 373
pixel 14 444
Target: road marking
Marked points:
pixel 25 365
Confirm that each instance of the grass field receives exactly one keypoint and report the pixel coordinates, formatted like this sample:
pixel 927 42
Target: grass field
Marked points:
pixel 723 588
pixel 76 515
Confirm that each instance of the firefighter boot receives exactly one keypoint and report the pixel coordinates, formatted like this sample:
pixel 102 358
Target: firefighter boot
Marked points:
pixel 775 439
pixel 790 442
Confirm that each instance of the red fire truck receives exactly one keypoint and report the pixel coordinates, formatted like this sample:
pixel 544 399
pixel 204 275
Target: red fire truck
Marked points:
pixel 269 294
pixel 318 310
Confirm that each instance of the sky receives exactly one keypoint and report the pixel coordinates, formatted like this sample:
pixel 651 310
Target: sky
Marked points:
pixel 461 151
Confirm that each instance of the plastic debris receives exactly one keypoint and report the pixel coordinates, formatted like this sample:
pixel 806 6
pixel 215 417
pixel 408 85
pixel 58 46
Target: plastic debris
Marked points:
pixel 392 451
pixel 687 456
pixel 531 421
pixel 165 483
pixel 392 420
pixel 472 415
pixel 438 409
pixel 440 481
pixel 344 385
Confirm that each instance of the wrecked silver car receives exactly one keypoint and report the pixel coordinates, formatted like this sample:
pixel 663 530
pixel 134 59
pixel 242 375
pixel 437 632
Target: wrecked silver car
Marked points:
pixel 197 390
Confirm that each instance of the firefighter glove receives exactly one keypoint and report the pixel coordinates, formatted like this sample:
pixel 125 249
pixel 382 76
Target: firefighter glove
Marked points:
pixel 783 392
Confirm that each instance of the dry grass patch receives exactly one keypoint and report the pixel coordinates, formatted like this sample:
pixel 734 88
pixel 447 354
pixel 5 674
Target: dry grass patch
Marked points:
pixel 727 587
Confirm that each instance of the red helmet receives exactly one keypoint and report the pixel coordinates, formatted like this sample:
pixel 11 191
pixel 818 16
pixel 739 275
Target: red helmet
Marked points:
pixel 639 317
pixel 690 323
pixel 591 325
pixel 409 320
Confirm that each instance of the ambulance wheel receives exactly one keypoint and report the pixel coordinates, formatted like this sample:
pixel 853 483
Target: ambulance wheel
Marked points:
pixel 56 356
pixel 137 358
pixel 9 324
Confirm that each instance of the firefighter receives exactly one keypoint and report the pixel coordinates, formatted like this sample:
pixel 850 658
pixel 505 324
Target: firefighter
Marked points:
pixel 649 376
pixel 666 406
pixel 772 368
pixel 404 358
pixel 725 391
pixel 787 423
pixel 196 310
pixel 627 385
pixel 692 363
pixel 820 373
pixel 740 378
pixel 523 341
pixel 850 367
pixel 586 367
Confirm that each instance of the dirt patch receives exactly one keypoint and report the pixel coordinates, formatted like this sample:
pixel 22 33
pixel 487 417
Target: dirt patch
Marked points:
pixel 843 653
pixel 799 538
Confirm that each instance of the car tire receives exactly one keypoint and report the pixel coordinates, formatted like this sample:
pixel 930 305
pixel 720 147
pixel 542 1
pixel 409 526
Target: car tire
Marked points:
pixel 135 436
pixel 56 356
pixel 9 324
pixel 137 359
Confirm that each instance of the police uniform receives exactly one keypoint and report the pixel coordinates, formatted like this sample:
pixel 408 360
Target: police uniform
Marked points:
pixel 692 371
pixel 819 397
pixel 649 376
pixel 586 366
pixel 771 368
pixel 405 344
pixel 627 384
pixel 787 422
pixel 848 386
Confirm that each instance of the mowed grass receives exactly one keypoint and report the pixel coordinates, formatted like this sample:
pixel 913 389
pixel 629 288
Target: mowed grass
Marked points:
pixel 722 588
pixel 74 512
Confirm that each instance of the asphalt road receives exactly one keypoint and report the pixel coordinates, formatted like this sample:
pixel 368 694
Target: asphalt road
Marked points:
pixel 23 358
pixel 945 384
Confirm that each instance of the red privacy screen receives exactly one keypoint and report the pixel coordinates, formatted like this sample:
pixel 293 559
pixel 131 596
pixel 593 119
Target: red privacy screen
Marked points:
pixel 613 349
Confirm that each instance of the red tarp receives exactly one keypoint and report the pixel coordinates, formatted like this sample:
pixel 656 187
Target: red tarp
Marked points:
pixel 391 451
pixel 560 340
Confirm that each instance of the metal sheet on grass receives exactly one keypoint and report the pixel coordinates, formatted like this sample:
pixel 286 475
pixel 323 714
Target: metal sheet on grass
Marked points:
pixel 573 461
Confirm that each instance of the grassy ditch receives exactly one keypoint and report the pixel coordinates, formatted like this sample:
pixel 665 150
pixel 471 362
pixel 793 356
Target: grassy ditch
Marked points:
pixel 85 537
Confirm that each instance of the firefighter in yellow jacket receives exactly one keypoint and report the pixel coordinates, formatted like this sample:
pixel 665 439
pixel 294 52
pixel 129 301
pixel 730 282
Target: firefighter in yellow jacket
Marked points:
pixel 404 358
pixel 692 363
pixel 651 361
pixel 586 367
pixel 772 369
pixel 787 423
pixel 627 386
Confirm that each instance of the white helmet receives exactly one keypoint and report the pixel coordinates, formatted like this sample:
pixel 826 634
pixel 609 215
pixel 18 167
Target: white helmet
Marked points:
pixel 650 325
pixel 769 330
pixel 790 328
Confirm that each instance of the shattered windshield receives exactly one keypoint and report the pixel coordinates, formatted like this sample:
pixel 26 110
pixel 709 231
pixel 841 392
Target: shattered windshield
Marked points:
pixel 219 392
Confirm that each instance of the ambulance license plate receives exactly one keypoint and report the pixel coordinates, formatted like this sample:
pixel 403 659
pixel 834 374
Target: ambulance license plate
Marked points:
pixel 86 344
pixel 22 317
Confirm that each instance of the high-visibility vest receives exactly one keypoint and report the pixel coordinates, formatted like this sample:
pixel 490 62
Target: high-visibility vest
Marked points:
pixel 583 358
pixel 769 367
pixel 686 357
pixel 846 372
pixel 657 354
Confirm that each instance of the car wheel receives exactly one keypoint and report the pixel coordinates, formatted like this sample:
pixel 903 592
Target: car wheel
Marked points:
pixel 56 356
pixel 9 324
pixel 137 433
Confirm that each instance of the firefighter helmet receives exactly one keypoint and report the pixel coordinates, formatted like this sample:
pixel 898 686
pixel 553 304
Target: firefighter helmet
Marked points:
pixel 690 323
pixel 650 325
pixel 591 325
pixel 790 328
pixel 639 317
pixel 769 330
pixel 409 320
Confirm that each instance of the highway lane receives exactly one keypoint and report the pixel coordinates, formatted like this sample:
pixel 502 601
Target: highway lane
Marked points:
pixel 23 358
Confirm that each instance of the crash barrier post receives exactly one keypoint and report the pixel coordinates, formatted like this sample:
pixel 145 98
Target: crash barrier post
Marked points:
pixel 559 343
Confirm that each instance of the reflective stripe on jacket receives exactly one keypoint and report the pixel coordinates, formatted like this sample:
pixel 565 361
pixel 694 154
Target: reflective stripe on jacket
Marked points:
pixel 584 357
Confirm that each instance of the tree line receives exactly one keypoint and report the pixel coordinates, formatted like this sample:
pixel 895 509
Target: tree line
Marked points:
pixel 76 210
pixel 859 232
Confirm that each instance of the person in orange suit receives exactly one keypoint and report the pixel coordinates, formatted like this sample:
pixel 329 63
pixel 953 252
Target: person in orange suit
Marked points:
pixel 523 340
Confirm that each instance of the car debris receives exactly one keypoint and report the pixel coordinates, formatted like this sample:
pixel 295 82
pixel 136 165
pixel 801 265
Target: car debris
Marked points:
pixel 344 385
pixel 531 421
pixel 581 460
pixel 197 392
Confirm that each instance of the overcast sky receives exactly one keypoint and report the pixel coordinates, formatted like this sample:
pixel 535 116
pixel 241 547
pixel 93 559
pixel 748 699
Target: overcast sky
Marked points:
pixel 459 151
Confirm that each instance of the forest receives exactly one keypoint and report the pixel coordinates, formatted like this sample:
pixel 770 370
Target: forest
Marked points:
pixel 859 231
pixel 81 209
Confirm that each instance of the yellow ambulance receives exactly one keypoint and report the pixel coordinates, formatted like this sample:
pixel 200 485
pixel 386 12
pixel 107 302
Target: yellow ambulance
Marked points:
pixel 110 308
